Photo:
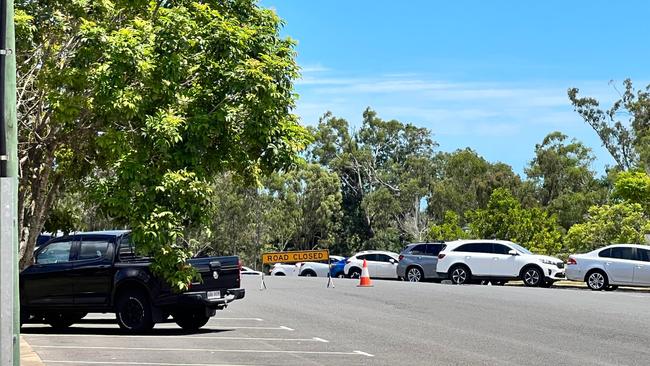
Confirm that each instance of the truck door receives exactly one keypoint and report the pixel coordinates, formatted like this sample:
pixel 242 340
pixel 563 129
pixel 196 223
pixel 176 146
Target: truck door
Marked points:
pixel 46 282
pixel 92 269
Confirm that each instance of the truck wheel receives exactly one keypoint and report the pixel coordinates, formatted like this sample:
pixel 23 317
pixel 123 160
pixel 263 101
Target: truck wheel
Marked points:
pixel 191 320
pixel 60 320
pixel 134 312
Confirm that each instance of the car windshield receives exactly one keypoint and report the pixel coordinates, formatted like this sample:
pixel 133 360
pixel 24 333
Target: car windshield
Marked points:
pixel 521 249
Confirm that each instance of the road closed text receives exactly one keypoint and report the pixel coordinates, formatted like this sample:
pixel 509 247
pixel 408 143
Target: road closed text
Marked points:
pixel 298 256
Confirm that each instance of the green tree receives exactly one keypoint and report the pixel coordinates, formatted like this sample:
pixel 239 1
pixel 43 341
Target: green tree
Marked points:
pixel 633 187
pixel 304 208
pixel 148 101
pixel 563 178
pixel 628 142
pixel 504 218
pixel 385 168
pixel 449 229
pixel 609 224
pixel 465 181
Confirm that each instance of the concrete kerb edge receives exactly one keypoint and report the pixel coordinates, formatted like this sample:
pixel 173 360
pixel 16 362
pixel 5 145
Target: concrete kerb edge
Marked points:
pixel 27 355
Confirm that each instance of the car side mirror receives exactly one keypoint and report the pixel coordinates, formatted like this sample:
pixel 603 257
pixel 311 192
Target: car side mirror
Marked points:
pixel 513 252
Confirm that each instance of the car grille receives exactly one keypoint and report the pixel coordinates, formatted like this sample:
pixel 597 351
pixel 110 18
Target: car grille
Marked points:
pixel 560 265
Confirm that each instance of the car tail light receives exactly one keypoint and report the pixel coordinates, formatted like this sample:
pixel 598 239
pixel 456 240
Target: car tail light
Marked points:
pixel 571 261
pixel 401 257
pixel 441 255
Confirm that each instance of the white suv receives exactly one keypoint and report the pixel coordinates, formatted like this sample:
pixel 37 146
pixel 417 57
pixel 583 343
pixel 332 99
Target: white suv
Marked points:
pixel 496 260
pixel 381 264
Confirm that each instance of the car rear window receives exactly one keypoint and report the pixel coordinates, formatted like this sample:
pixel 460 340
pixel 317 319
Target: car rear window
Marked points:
pixel 419 249
pixel 435 249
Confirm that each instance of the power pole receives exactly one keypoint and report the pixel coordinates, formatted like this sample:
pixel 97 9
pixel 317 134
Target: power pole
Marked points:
pixel 9 297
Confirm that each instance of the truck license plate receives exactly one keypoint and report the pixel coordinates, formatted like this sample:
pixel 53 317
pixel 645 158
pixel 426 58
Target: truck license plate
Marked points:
pixel 214 295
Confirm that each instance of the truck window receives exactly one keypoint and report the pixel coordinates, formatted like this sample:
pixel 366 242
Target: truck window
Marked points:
pixel 91 249
pixel 55 253
pixel 127 251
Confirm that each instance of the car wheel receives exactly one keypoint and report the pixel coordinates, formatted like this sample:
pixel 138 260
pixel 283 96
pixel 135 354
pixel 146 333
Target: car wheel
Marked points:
pixel 611 288
pixel 191 320
pixel 460 275
pixel 355 273
pixel 597 280
pixel 309 274
pixel 134 312
pixel 60 320
pixel 532 277
pixel 414 274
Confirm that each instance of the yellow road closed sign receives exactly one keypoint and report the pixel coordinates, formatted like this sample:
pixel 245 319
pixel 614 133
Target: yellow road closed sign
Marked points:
pixel 297 256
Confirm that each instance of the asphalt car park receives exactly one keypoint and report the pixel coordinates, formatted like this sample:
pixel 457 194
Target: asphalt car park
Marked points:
pixel 299 321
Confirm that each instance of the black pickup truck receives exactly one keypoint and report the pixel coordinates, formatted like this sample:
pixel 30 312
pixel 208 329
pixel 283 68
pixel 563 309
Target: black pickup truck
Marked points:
pixel 101 272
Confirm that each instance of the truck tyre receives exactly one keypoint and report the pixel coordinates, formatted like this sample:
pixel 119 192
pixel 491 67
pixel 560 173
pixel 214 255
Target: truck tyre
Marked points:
pixel 134 312
pixel 191 320
pixel 60 320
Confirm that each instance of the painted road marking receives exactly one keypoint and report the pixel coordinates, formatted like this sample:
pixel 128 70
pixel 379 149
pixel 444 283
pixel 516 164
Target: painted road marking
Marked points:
pixel 333 353
pixel 287 328
pixel 314 339
pixel 255 319
pixel 137 363
pixel 364 353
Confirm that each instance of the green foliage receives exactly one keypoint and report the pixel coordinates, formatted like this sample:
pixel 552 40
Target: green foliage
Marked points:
pixel 465 182
pixel 563 179
pixel 449 229
pixel 633 187
pixel 504 218
pixel 609 224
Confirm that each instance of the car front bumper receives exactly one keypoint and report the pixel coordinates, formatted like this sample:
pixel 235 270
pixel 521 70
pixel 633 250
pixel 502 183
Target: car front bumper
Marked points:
pixel 554 273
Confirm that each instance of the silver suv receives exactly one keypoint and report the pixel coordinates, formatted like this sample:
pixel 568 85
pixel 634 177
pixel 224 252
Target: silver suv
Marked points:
pixel 418 261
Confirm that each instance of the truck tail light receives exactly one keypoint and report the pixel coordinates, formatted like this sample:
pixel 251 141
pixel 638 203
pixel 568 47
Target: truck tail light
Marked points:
pixel 441 255
pixel 571 261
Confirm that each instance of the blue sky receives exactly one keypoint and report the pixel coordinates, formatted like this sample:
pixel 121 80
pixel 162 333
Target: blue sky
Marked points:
pixel 491 75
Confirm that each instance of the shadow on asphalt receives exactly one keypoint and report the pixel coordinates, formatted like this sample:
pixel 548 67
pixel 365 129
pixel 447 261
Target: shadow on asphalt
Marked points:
pixel 46 329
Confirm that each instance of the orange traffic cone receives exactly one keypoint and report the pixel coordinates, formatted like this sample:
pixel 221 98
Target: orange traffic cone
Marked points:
pixel 364 280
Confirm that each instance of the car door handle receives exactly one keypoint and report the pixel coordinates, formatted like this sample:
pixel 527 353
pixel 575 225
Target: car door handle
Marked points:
pixel 639 267
pixel 468 256
pixel 608 263
pixel 419 257
pixel 495 258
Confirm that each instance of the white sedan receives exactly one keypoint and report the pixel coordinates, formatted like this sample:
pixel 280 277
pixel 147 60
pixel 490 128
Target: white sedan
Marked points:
pixel 247 271
pixel 612 266
pixel 381 264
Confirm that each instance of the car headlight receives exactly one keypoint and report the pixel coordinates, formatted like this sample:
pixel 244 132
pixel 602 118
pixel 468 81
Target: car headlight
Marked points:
pixel 547 261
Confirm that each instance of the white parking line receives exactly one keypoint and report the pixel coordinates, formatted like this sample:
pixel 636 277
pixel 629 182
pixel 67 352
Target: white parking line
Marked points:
pixel 136 363
pixel 161 337
pixel 287 328
pixel 255 319
pixel 355 353
pixel 364 353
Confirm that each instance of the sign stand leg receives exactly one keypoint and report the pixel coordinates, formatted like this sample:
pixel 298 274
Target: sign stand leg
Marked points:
pixel 330 282
pixel 262 284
